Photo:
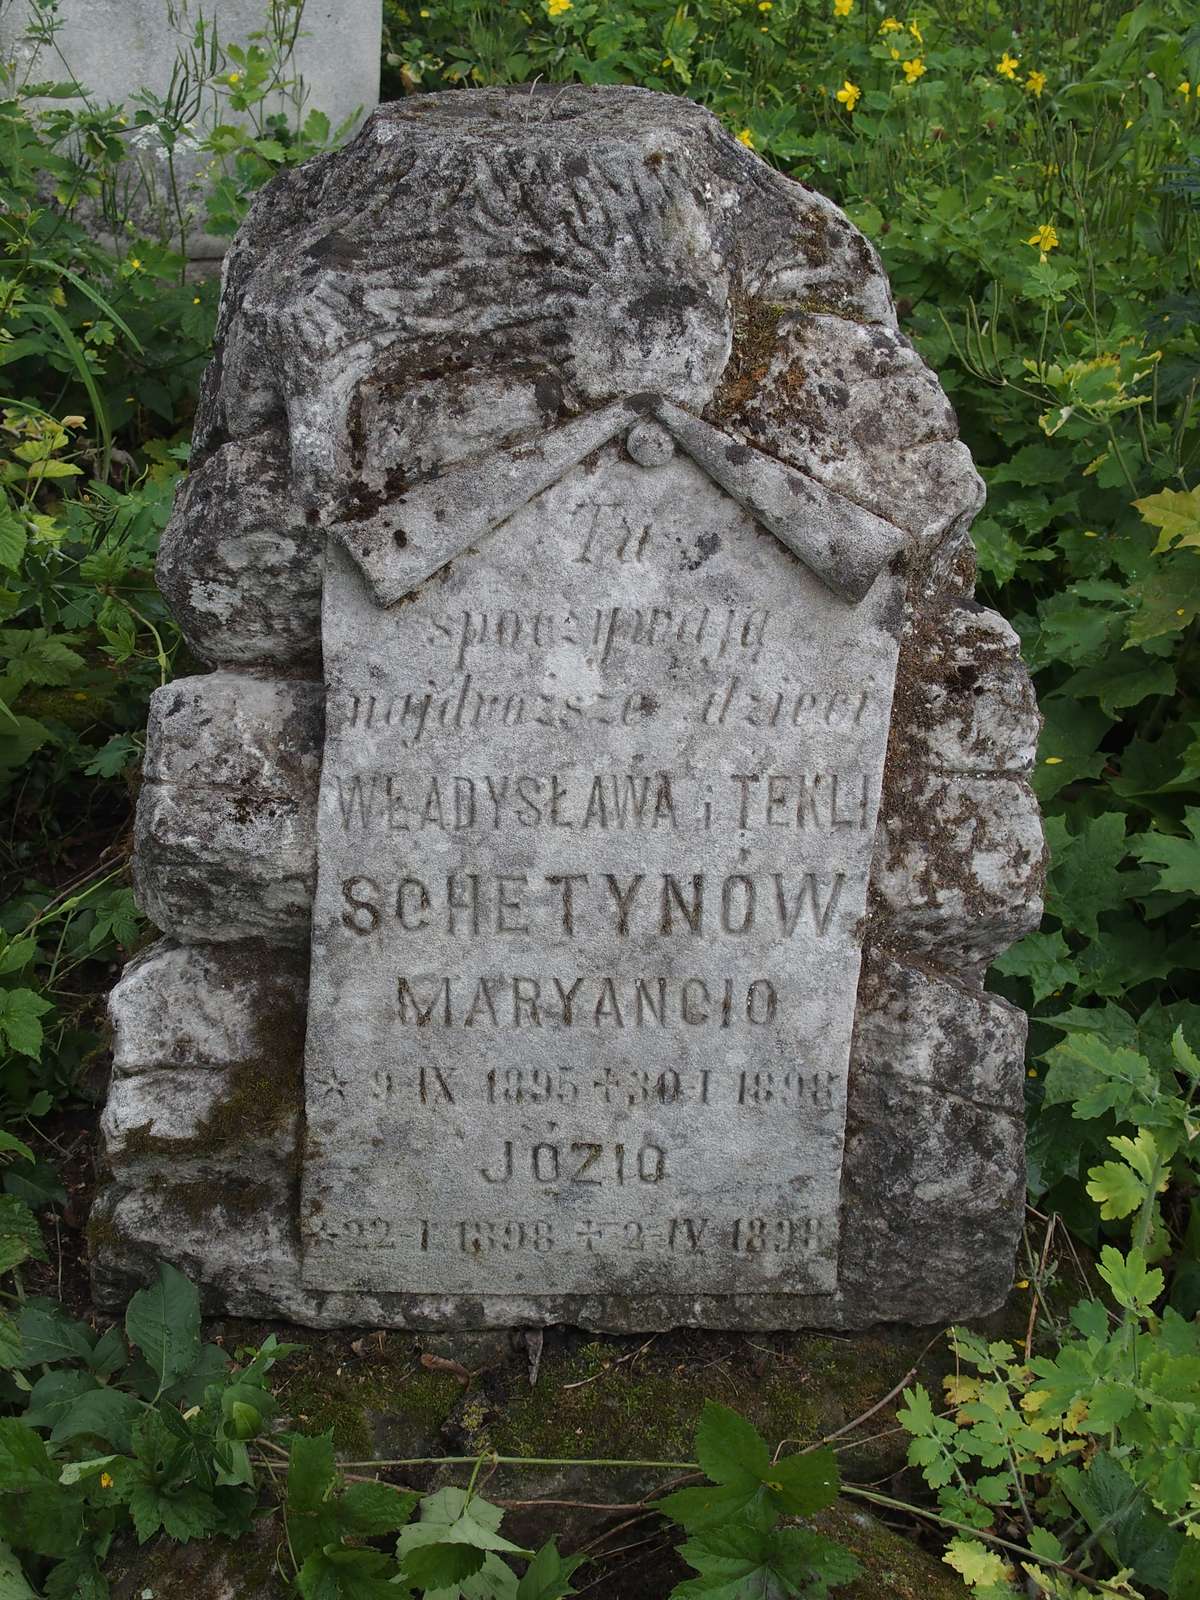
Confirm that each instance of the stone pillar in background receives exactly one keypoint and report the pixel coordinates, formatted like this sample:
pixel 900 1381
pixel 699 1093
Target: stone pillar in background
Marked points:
pixel 114 48
pixel 580 867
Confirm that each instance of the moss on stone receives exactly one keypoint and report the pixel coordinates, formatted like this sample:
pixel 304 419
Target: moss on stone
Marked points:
pixel 331 1386
pixel 893 1565
pixel 593 1403
pixel 755 335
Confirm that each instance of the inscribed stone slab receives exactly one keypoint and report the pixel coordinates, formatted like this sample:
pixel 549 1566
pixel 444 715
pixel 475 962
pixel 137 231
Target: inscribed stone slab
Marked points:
pixel 596 818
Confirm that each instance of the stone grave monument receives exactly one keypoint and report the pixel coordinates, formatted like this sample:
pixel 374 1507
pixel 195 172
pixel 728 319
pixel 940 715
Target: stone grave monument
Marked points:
pixel 579 868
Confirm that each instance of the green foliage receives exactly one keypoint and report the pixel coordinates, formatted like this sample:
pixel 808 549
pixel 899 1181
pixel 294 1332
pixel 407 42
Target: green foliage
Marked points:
pixel 143 1428
pixel 736 1543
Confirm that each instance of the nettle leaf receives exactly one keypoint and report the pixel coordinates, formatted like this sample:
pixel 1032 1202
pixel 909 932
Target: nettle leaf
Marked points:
pixel 164 1322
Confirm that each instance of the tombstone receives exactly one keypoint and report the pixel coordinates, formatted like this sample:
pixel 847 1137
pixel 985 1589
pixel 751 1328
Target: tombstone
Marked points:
pixel 117 48
pixel 579 869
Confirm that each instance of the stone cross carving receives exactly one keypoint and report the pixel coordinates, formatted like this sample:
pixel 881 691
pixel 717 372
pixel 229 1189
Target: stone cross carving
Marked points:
pixel 580 866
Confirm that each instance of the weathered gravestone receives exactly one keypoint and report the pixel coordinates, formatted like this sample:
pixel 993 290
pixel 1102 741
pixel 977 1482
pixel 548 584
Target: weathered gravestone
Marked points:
pixel 671 804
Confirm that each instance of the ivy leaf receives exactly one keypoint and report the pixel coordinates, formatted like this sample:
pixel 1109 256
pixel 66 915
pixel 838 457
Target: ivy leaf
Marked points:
pixel 1134 1285
pixel 164 1322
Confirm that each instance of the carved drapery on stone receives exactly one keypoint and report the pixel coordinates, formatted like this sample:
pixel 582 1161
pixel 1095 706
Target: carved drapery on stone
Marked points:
pixel 574 402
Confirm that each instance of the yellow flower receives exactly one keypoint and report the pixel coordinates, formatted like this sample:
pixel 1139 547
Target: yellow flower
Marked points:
pixel 766 5
pixel 913 70
pixel 890 25
pixel 1007 65
pixel 106 1480
pixel 842 8
pixel 234 79
pixel 746 138
pixel 915 31
pixel 1046 237
pixel 895 54
pixel 1035 83
pixel 555 8
pixel 1054 761
pixel 195 299
pixel 849 94
pixel 1184 89
pixel 135 264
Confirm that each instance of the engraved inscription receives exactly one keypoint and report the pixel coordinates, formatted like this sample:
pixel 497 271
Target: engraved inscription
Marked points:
pixel 596 821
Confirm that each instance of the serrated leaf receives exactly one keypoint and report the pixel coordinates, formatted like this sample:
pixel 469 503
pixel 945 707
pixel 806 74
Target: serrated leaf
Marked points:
pixel 804 1483
pixel 374 1508
pixel 1176 513
pixel 163 1321
pixel 1178 857
pixel 729 1448
pixel 1044 960
pixel 1087 1073
pixel 548 1576
pixel 312 1471
pixel 20 1024
pixel 706 1506
pixel 1083 879
pixel 441 1565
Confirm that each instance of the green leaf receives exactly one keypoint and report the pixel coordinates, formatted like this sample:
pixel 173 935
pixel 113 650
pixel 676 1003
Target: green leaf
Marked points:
pixel 548 1576
pixel 49 1335
pixel 53 1395
pixel 370 1509
pixel 1178 857
pixel 13 1584
pixel 438 1566
pixel 804 1483
pixel 729 1448
pixel 80 1471
pixel 24 1463
pixel 164 1322
pixel 1069 748
pixel 312 1471
pixel 1115 1189
pixel 708 1505
pixel 1134 1285
pixel 20 1236
pixel 13 537
pixel 107 1414
pixel 1176 513
pixel 975 1563
pixel 1044 960
pixel 20 1010
pixel 1088 1074
pixel 1083 879
pixel 14 955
